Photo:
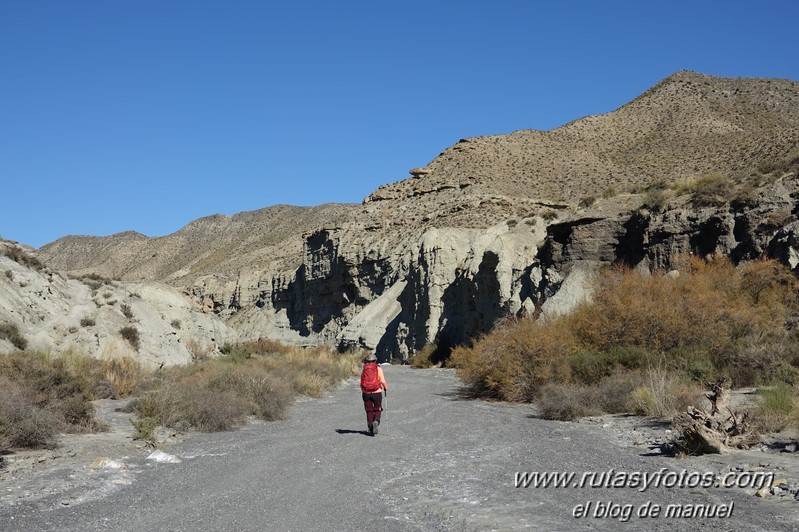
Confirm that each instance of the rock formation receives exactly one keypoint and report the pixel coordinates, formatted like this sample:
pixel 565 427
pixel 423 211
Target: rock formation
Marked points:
pixel 57 315
pixel 494 226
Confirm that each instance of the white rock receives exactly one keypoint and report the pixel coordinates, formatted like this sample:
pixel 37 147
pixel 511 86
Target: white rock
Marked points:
pixel 163 458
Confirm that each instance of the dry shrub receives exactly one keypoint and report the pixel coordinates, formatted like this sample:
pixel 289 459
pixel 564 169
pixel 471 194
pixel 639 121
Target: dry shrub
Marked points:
pixel 184 405
pixel 516 358
pixel 131 334
pixel 21 257
pixel 611 395
pixel 199 350
pixel 777 409
pixel 219 394
pixel 615 392
pixel 659 313
pixel 591 367
pixel 24 424
pixel 567 401
pixel 265 346
pixel 10 332
pixel 105 378
pixel 708 320
pixel 706 190
pixel 664 394
pixel 310 384
pixel 422 358
pixel 39 397
pixel 124 373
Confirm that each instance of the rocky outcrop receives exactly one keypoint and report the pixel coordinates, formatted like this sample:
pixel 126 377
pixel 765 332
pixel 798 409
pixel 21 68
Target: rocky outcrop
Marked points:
pixel 495 226
pixel 447 285
pixel 57 315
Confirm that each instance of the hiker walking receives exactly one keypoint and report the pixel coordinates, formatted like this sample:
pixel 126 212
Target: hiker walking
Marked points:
pixel 372 385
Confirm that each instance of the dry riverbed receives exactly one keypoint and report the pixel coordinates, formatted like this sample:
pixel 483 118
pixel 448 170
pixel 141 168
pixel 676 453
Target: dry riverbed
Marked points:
pixel 444 464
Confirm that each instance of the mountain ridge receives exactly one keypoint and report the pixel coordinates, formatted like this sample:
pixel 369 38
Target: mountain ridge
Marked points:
pixel 494 225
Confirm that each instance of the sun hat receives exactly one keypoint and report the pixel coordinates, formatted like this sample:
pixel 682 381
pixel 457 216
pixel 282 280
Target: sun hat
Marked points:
pixel 371 357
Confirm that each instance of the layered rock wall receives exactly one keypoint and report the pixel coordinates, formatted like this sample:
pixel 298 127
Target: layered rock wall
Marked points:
pixel 447 285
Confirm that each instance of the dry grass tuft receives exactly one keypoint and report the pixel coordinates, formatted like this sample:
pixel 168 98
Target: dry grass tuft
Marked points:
pixel 259 379
pixel 41 396
pixel 10 332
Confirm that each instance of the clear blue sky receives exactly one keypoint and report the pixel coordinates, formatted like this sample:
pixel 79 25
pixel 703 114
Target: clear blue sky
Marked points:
pixel 146 115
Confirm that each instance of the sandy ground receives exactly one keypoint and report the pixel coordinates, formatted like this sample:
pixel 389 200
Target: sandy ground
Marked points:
pixel 427 475
pixel 82 466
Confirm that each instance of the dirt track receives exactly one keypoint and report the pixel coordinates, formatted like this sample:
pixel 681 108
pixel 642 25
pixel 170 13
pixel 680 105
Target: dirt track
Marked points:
pixel 439 463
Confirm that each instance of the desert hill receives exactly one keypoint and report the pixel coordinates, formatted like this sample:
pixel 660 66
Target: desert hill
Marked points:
pixel 155 323
pixel 686 126
pixel 217 243
pixel 495 225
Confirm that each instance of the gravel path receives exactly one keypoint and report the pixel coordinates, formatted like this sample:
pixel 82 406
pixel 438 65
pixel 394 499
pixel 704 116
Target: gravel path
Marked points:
pixel 439 463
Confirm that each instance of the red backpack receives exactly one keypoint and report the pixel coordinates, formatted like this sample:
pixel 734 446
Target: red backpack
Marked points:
pixel 370 382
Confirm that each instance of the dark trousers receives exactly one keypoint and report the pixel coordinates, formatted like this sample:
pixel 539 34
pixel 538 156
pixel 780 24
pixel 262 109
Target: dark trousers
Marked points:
pixel 373 403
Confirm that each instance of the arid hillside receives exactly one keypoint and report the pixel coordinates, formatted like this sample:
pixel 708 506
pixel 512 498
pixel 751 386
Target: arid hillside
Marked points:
pixel 687 125
pixel 495 225
pixel 215 244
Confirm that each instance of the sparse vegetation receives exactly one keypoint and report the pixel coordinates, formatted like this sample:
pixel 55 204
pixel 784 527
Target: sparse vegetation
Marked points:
pixel 587 201
pixel 10 275
pixel 777 408
pixel 665 333
pixel 126 310
pixel 10 332
pixel 549 215
pixel 93 280
pixel 176 324
pixel 423 358
pixel 131 334
pixel 199 350
pixel 40 397
pixel 716 189
pixel 22 258
pixel 609 192
pixel 87 322
pixel 250 380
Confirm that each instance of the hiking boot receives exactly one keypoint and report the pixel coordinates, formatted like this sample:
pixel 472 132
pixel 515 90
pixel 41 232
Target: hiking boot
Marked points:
pixel 374 427
pixel 371 429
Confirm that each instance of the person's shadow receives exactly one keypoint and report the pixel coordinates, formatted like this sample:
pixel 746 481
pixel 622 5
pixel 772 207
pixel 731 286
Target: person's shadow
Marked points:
pixel 348 431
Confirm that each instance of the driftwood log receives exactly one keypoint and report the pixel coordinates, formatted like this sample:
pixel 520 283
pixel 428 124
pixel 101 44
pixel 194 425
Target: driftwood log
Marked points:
pixel 717 431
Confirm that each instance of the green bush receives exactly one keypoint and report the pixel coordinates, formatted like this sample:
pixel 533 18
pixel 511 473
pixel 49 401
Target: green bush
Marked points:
pixel 144 428
pixel 777 408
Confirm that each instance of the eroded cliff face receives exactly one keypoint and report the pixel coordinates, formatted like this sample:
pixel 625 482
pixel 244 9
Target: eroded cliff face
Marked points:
pixel 495 226
pixel 447 285
pixel 57 315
